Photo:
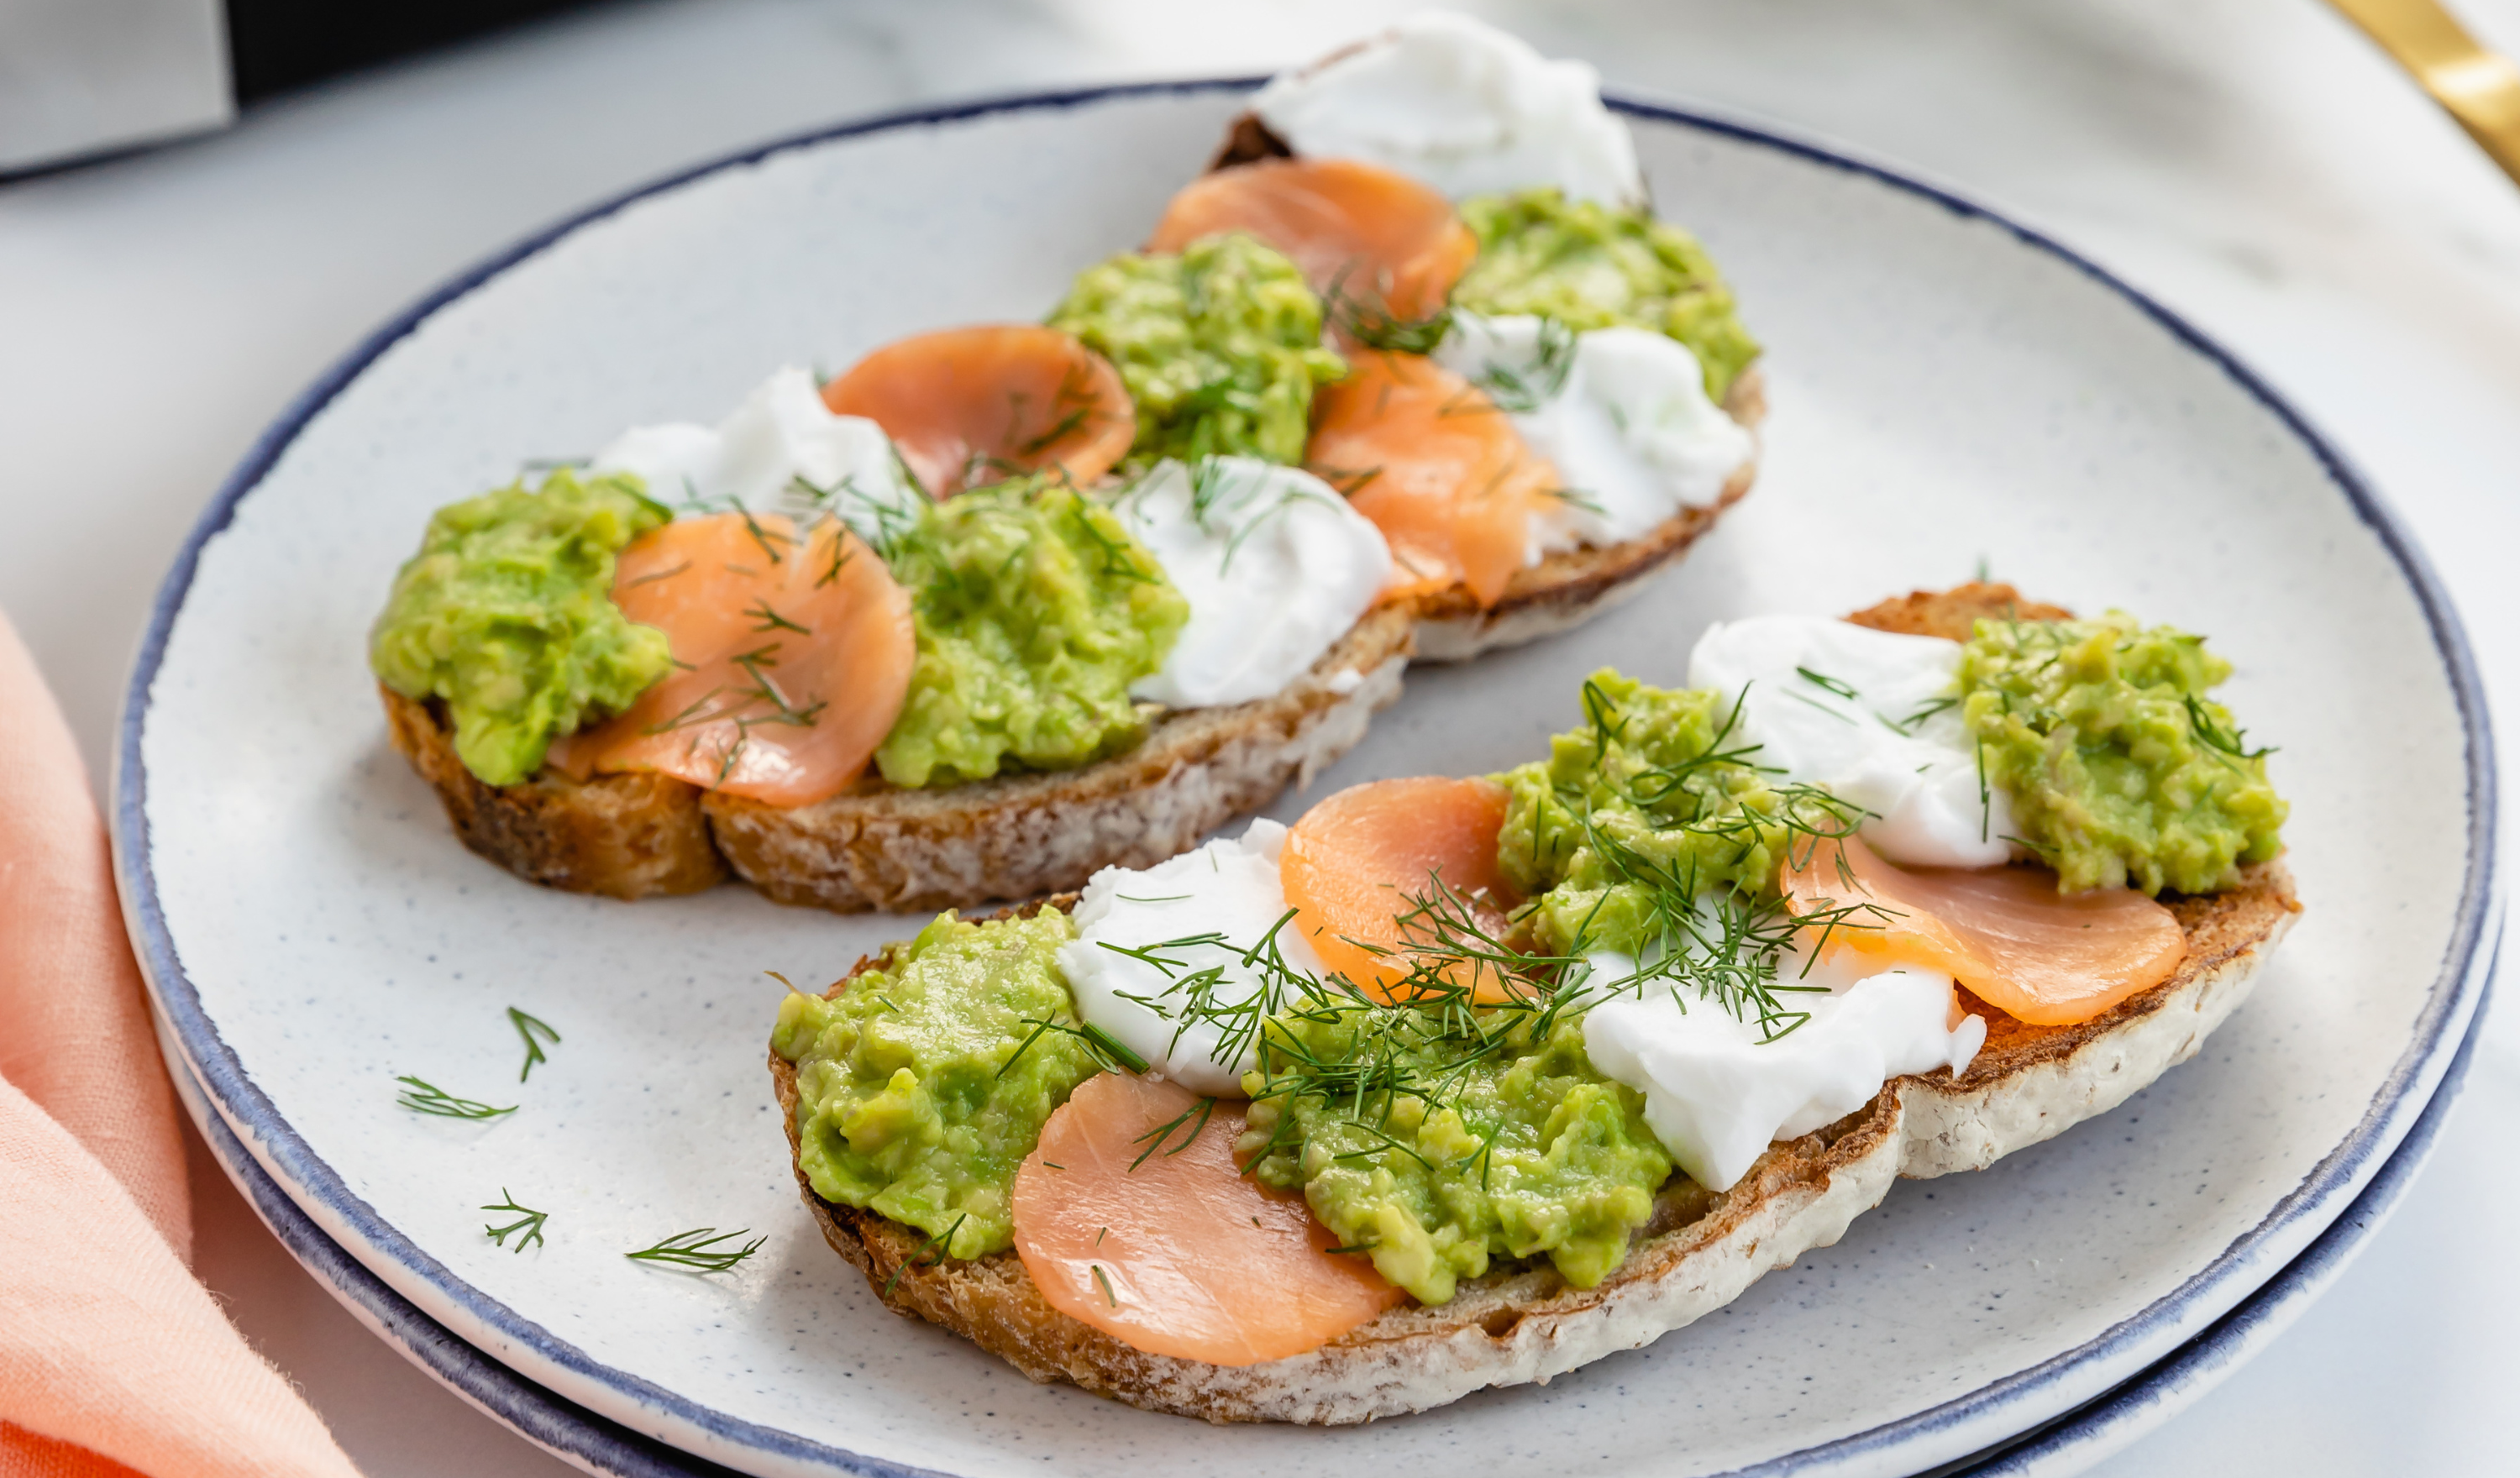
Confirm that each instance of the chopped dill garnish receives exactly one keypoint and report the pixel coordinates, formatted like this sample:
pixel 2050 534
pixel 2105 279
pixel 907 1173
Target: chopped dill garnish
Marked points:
pixel 930 1253
pixel 766 620
pixel 532 1029
pixel 2231 742
pixel 1375 327
pixel 1811 703
pixel 1838 686
pixel 1113 1052
pixel 529 1222
pixel 1161 1137
pixel 421 1097
pixel 1523 391
pixel 699 1250
pixel 1105 1285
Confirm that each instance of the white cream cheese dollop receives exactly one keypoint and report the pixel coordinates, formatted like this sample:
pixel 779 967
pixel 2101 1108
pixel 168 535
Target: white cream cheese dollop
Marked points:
pixel 1622 414
pixel 1275 566
pixel 1229 887
pixel 1716 1096
pixel 781 451
pixel 1871 715
pixel 1462 106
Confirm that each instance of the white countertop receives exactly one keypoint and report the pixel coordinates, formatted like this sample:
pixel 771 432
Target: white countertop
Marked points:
pixel 2252 163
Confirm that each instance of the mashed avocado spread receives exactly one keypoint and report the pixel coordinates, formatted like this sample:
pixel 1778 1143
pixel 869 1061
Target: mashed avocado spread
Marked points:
pixel 507 613
pixel 2120 770
pixel 1649 800
pixel 1035 610
pixel 917 1095
pixel 1509 1146
pixel 1595 266
pixel 1219 347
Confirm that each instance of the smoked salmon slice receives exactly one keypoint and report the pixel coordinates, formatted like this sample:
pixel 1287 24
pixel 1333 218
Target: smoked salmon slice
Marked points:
pixel 1428 457
pixel 792 658
pixel 967 406
pixel 1359 870
pixel 2045 958
pixel 1379 237
pixel 1132 1217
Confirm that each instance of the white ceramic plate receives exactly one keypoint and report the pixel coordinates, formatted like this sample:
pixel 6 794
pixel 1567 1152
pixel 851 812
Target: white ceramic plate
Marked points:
pixel 1946 388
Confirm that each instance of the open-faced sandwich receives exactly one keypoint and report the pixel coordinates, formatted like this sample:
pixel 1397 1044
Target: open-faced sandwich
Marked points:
pixel 1626 389
pixel 1468 1082
pixel 1005 605
pixel 855 694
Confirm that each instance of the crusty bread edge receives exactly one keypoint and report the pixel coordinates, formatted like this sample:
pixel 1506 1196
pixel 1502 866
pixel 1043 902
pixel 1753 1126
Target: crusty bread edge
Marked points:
pixel 909 850
pixel 881 847
pixel 1522 1323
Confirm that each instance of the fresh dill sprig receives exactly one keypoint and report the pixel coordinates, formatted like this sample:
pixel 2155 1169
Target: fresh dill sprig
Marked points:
pixel 1464 985
pixel 1110 1051
pixel 2230 743
pixel 529 1222
pixel 930 1253
pixel 1161 1137
pixel 699 1250
pixel 422 1096
pixel 1824 681
pixel 532 1029
pixel 766 620
pixel 1924 711
pixel 1375 327
pixel 1523 391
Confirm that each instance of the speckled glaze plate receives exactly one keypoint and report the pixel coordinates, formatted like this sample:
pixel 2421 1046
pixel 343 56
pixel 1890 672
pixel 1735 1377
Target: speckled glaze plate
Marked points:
pixel 1948 390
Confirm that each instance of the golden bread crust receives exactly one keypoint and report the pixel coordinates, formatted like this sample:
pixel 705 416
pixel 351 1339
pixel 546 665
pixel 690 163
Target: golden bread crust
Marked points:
pixel 878 846
pixel 619 836
pixel 883 848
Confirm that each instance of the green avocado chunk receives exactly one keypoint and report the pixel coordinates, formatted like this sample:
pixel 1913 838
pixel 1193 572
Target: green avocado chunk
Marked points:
pixel 507 613
pixel 1463 1145
pixel 1035 610
pixel 1593 266
pixel 1219 347
pixel 2120 770
pixel 917 1093
pixel 1649 804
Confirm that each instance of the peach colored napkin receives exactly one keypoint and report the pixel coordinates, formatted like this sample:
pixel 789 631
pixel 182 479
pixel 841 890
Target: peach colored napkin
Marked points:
pixel 113 1359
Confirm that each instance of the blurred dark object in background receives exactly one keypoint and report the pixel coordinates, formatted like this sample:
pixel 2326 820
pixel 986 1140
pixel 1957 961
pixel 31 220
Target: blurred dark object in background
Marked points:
pixel 86 79
pixel 274 45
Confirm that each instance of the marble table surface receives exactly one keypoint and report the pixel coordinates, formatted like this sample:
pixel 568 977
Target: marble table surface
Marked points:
pixel 2252 163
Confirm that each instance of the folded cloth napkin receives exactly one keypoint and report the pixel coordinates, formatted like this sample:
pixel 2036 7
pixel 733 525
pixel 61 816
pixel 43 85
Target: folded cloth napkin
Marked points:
pixel 113 1359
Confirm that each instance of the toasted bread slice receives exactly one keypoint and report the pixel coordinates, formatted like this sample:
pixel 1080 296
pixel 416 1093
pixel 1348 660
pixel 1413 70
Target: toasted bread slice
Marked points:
pixel 1521 1322
pixel 879 846
pixel 883 848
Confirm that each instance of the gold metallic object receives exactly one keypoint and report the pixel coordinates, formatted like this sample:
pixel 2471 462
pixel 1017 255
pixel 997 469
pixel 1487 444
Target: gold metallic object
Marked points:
pixel 2479 88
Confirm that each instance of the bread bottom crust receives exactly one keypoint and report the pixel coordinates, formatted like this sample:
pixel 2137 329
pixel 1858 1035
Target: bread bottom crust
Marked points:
pixel 1522 1322
pixel 879 846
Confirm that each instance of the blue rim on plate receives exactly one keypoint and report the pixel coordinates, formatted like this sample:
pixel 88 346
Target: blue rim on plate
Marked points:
pixel 231 1101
